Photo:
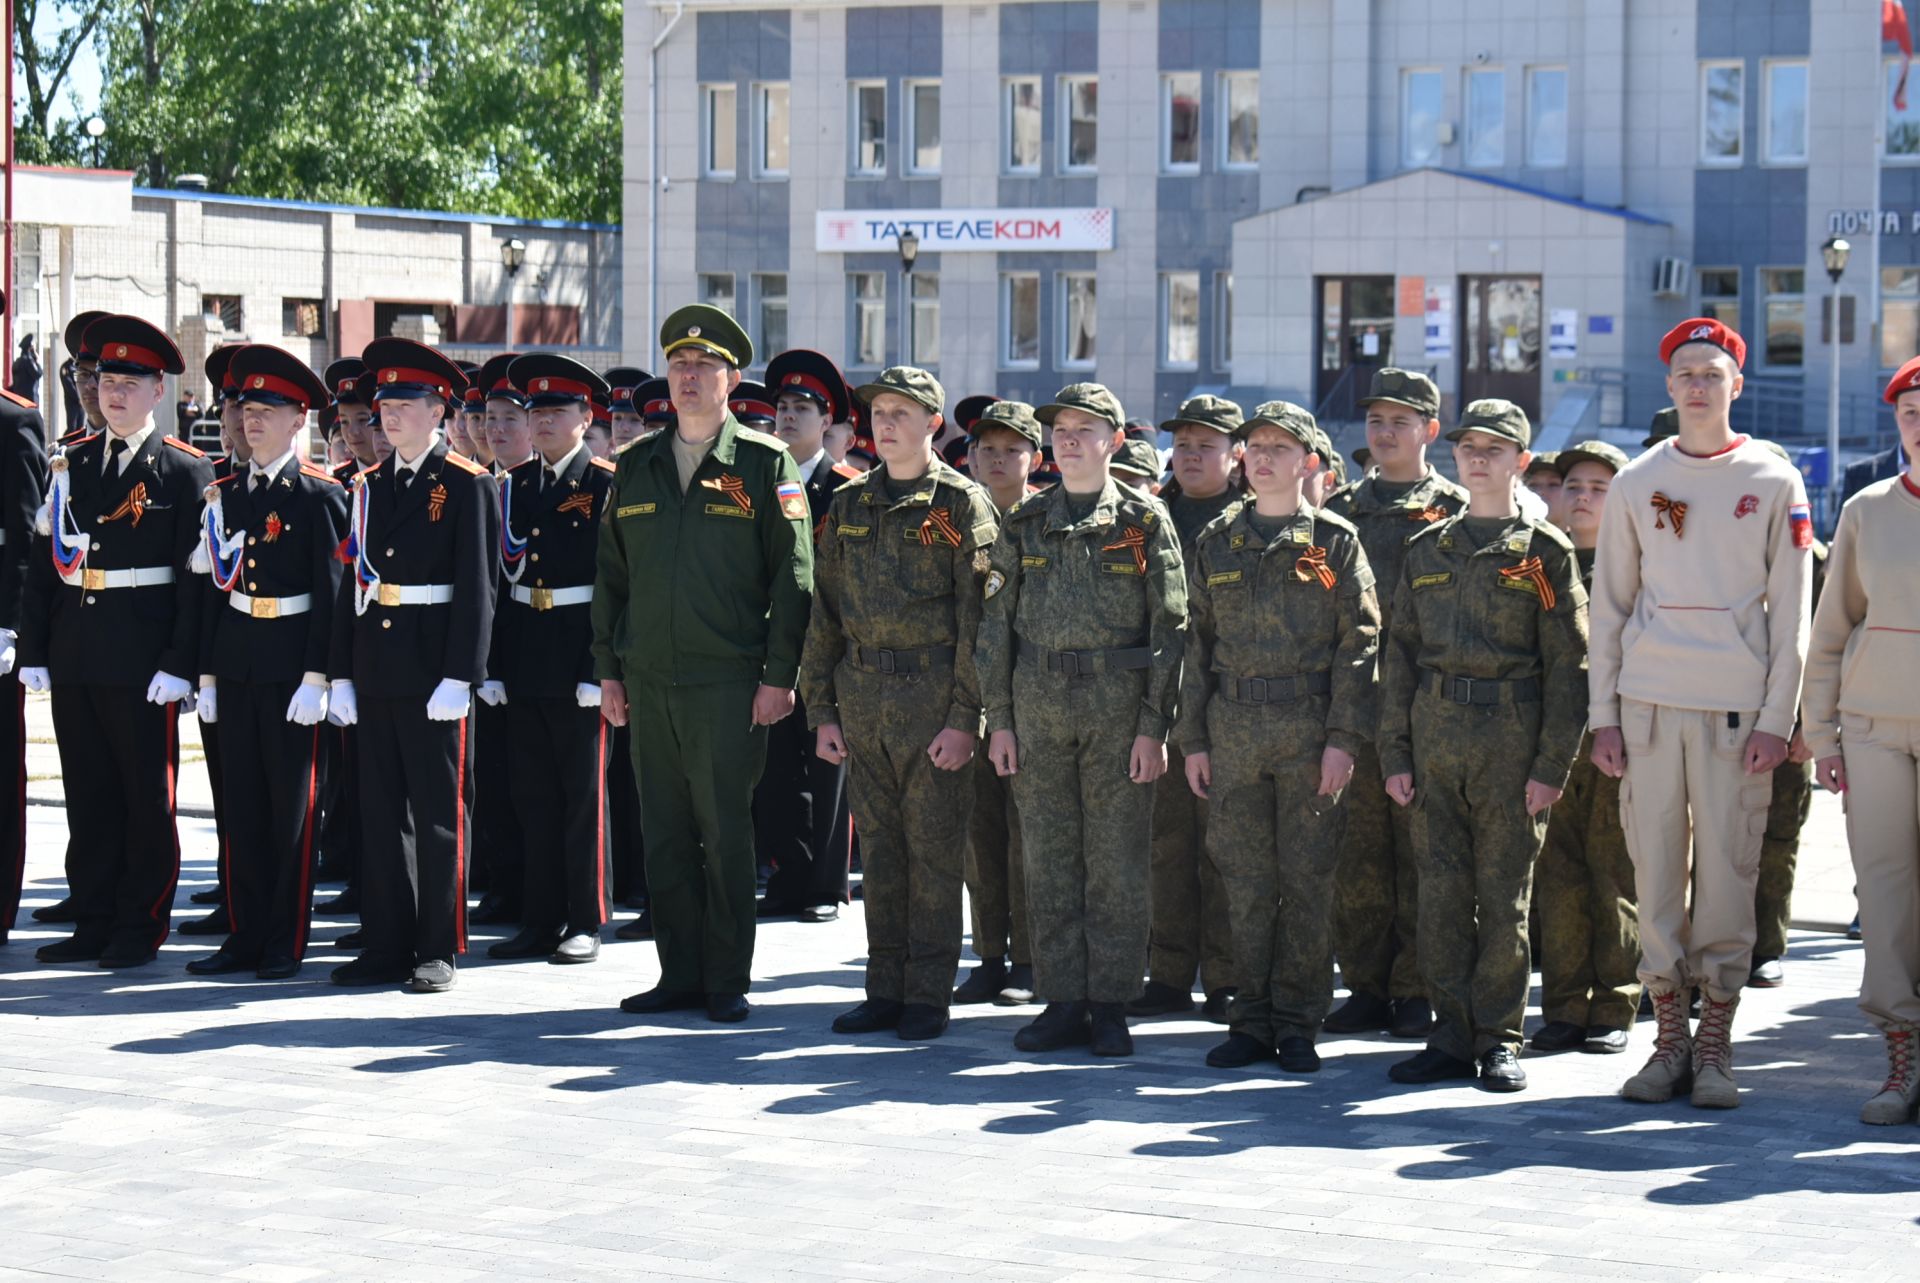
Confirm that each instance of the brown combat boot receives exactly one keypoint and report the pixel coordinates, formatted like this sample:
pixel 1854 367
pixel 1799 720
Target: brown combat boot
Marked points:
pixel 1899 1094
pixel 1670 1068
pixel 1713 1085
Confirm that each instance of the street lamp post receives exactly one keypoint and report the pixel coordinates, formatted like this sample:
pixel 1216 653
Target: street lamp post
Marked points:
pixel 513 252
pixel 1834 254
pixel 909 250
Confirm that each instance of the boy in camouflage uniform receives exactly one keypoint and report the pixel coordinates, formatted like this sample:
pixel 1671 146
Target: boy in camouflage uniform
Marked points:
pixel 889 684
pixel 1079 653
pixel 1277 698
pixel 1482 694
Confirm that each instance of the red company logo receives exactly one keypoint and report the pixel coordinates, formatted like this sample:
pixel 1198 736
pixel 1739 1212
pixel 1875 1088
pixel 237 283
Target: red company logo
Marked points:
pixel 1748 505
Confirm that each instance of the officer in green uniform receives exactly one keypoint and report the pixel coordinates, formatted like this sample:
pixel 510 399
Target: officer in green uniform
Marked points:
pixel 1079 655
pixel 699 615
pixel 1483 693
pixel 890 687
pixel 1377 888
pixel 1277 699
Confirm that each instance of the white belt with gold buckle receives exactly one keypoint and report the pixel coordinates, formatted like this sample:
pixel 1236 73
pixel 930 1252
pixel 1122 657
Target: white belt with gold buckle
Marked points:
pixel 270 607
pixel 138 577
pixel 548 598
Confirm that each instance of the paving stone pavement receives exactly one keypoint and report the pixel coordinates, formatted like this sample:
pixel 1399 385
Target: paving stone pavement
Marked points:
pixel 155 1127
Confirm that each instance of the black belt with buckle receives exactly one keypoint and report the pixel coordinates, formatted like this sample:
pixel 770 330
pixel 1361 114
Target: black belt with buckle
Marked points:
pixel 1275 690
pixel 905 663
pixel 1481 690
pixel 1085 663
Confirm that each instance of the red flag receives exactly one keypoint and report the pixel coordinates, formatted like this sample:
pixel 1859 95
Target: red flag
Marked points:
pixel 1893 26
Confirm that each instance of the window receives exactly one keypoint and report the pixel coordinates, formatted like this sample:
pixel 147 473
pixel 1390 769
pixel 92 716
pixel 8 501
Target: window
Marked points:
pixel 1899 315
pixel 717 127
pixel 923 319
pixel 1547 117
pixel 1903 123
pixel 1019 320
pixel 1486 119
pixel 1422 102
pixel 770 288
pixel 1223 320
pixel 1180 122
pixel 1020 126
pixel 1784 289
pixel 1078 323
pixel 1080 124
pixel 224 308
pixel 716 289
pixel 1722 112
pixel 868 291
pixel 1240 120
pixel 1179 320
pixel 869 132
pixel 1786 141
pixel 922 126
pixel 303 318
pixel 770 123
pixel 1720 295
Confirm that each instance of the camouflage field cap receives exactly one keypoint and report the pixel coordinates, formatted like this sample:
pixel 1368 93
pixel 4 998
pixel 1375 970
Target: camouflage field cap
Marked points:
pixel 703 326
pixel 1496 418
pixel 1014 416
pixel 1543 461
pixel 1605 453
pixel 1404 387
pixel 1140 459
pixel 1296 421
pixel 1214 412
pixel 907 381
pixel 1666 423
pixel 1089 398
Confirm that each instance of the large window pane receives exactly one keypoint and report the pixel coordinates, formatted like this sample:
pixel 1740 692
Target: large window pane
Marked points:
pixel 869 290
pixel 1722 107
pixel 1081 96
pixel 1020 319
pixel 1786 113
pixel 1422 100
pixel 923 131
pixel 771 290
pixel 1180 120
pixel 870 129
pixel 1078 324
pixel 924 319
pixel 1180 320
pixel 719 127
pixel 1486 119
pixel 1240 120
pixel 1786 317
pixel 1720 295
pixel 1022 124
pixel 773 130
pixel 1547 117
pixel 716 288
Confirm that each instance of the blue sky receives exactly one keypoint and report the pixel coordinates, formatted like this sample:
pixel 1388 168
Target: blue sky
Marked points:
pixel 84 79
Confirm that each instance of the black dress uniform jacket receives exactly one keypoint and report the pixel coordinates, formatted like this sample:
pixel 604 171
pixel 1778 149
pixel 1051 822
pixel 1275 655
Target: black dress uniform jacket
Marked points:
pixel 547 653
pixel 23 482
pixel 294 534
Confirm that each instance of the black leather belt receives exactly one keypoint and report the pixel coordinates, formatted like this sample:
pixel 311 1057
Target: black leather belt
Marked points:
pixel 1085 663
pixel 1481 690
pixel 906 663
pixel 1275 690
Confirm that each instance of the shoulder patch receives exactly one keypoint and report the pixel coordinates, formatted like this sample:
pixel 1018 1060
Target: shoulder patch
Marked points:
pixel 463 463
pixel 845 473
pixel 182 446
pixel 1553 535
pixel 1428 530
pixel 1337 522
pixel 18 400
pixel 318 474
pixel 601 464
pixel 1027 507
pixel 232 476
pixel 765 440
pixel 852 483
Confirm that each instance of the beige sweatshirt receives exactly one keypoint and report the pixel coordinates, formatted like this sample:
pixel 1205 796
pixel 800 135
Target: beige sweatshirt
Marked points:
pixel 1865 650
pixel 1700 587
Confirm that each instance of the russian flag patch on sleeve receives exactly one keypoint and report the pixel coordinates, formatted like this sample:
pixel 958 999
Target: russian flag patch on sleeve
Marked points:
pixel 793 500
pixel 1800 517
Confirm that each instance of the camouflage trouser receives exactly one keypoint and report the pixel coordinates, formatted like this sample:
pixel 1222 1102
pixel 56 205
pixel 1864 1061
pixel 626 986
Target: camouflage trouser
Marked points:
pixel 1276 842
pixel 1779 854
pixel 1190 933
pixel 996 872
pixel 913 831
pixel 1377 891
pixel 1087 829
pixel 1476 845
pixel 1589 921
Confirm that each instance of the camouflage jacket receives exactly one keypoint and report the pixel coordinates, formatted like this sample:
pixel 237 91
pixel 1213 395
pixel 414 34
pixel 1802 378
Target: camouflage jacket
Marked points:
pixel 1385 524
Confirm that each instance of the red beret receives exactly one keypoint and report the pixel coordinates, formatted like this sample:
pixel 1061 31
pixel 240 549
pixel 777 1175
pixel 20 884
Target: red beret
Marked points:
pixel 1905 379
pixel 1704 329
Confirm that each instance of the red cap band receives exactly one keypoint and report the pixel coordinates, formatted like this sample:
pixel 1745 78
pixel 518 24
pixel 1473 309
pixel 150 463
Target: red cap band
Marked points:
pixel 278 386
pixel 805 383
pixel 546 386
pixel 663 406
pixel 134 354
pixel 425 378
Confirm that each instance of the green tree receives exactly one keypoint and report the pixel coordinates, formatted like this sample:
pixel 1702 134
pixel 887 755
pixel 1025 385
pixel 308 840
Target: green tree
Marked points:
pixel 44 66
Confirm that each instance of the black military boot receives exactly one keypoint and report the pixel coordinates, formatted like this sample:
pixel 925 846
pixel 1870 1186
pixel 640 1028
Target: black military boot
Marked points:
pixel 1059 1025
pixel 983 985
pixel 1361 1013
pixel 921 1022
pixel 1160 1000
pixel 1110 1036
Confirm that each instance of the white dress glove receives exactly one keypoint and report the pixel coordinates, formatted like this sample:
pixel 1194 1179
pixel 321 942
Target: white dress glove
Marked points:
pixel 450 701
pixel 165 688
pixel 492 694
pixel 588 694
pixel 342 708
pixel 8 651
pixel 209 704
pixel 35 679
pixel 309 705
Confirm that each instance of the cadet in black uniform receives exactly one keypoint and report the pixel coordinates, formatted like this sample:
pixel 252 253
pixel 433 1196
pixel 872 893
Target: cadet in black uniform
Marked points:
pixel 409 643
pixel 338 843
pixel 23 480
pixel 86 378
pixel 498 843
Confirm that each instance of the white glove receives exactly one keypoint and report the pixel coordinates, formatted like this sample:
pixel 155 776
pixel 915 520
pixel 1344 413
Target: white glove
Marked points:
pixel 587 694
pixel 7 651
pixel 450 701
pixel 35 679
pixel 309 705
pixel 165 688
pixel 492 694
pixel 209 704
pixel 342 708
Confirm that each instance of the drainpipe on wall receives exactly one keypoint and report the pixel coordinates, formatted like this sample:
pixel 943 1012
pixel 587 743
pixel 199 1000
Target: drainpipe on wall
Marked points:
pixel 653 173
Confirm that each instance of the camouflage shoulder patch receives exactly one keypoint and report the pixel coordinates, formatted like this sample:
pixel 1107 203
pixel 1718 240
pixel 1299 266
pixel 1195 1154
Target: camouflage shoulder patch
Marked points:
pixel 995 582
pixel 1553 535
pixel 1434 580
pixel 765 440
pixel 1224 577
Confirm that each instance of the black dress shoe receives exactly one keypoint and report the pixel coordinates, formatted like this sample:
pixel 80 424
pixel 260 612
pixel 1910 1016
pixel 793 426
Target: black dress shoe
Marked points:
pixel 983 984
pixel 1298 1056
pixel 352 940
pixel 1361 1013
pixel 1767 973
pixel 1412 1018
pixel 58 911
pixel 1108 1034
pixel 727 1008
pixel 581 946
pixel 1432 1066
pixel 1559 1035
pixel 494 910
pixel 434 976
pixel 344 905
pixel 72 949
pixel 117 956
pixel 1604 1040
pixel 1239 1051
pixel 366 973
pixel 870 1016
pixel 656 1000
pixel 1215 1007
pixel 1500 1071
pixel 1017 990
pixel 1160 1000
pixel 216 923
pixel 220 963
pixel 278 968
pixel 921 1022
pixel 215 894
pixel 1059 1025
pixel 641 928
pixel 528 942
pixel 820 913
pixel 768 907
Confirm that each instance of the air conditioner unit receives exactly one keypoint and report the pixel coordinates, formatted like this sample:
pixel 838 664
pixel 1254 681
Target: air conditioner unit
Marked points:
pixel 1673 278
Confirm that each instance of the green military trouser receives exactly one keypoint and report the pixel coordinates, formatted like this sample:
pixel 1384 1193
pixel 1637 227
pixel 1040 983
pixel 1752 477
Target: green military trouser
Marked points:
pixel 1376 905
pixel 698 756
pixel 1589 919
pixel 1779 854
pixel 1087 829
pixel 1190 935
pixel 996 868
pixel 912 818
pixel 1476 846
pixel 1276 842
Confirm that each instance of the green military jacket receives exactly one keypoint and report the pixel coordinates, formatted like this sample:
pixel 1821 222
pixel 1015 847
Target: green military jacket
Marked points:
pixel 1114 578
pixel 1511 609
pixel 899 575
pixel 1305 603
pixel 1385 524
pixel 709 586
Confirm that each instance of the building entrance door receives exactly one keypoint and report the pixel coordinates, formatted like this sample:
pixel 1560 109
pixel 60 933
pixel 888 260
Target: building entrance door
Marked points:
pixel 1356 338
pixel 1500 340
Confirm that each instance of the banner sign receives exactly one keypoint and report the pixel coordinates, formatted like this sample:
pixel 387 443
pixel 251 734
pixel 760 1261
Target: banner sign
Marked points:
pixel 963 231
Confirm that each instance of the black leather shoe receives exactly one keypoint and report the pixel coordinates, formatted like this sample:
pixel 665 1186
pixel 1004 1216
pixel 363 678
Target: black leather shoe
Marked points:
pixel 1767 973
pixel 641 928
pixel 1215 1007
pixel 72 949
pixel 581 946
pixel 1604 1040
pixel 1412 1018
pixel 870 1016
pixel 1559 1035
pixel 983 984
pixel 368 973
pixel 216 923
pixel 768 907
pixel 528 942
pixel 1160 1000
pixel 1500 1071
pixel 820 913
pixel 1239 1051
pixel 921 1022
pixel 1431 1066
pixel 1298 1056
pixel 58 911
pixel 1017 990
pixel 1361 1013
pixel 1109 1036
pixel 344 905
pixel 118 955
pixel 282 968
pixel 436 976
pixel 215 894
pixel 727 1008
pixel 1059 1025
pixel 656 1000
pixel 494 910
pixel 352 940
pixel 220 963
